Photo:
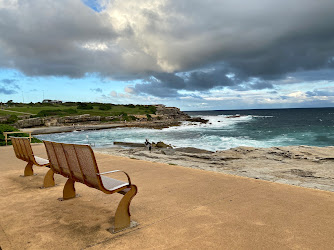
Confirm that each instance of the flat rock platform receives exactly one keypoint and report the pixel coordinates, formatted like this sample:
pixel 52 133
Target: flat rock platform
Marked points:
pixel 176 208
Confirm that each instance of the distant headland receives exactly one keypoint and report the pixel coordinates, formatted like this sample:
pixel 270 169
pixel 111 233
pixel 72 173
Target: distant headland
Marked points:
pixel 52 116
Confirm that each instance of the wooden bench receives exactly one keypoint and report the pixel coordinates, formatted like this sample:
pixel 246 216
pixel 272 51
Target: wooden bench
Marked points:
pixel 23 151
pixel 78 164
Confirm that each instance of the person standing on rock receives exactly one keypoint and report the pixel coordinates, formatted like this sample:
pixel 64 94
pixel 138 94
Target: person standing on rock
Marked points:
pixel 148 145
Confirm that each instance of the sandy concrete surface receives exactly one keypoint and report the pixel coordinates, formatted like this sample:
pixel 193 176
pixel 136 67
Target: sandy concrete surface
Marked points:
pixel 176 208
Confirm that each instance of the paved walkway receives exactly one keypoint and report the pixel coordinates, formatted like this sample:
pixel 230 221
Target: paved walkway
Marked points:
pixel 18 112
pixel 176 208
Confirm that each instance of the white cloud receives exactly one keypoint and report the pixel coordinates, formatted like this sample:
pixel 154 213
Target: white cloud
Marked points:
pixel 8 4
pixel 129 90
pixel 113 93
pixel 95 46
pixel 297 95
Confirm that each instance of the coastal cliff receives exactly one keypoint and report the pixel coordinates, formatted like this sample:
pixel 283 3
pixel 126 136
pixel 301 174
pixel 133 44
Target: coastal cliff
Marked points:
pixel 163 117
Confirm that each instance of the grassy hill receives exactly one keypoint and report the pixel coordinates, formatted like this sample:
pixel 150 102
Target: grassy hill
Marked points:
pixel 75 108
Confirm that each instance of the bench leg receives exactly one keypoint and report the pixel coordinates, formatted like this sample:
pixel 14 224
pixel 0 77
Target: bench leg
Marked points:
pixel 28 169
pixel 122 216
pixel 69 190
pixel 49 180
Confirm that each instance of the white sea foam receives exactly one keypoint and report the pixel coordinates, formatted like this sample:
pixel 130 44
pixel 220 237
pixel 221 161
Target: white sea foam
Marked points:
pixel 220 133
pixel 220 121
pixel 186 135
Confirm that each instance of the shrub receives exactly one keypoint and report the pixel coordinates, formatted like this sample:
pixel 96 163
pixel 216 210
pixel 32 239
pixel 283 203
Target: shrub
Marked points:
pixel 69 103
pixel 83 105
pixel 8 128
pixel 105 107
pixel 12 119
pixel 149 117
pixel 132 118
pixel 152 109
pixel 129 118
pixel 60 112
pixel 45 104
pixel 43 112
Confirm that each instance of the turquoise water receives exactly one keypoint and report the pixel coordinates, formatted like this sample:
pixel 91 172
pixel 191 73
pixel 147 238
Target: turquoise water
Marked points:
pixel 256 128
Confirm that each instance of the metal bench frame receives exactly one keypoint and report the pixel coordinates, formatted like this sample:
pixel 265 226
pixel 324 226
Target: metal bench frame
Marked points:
pixel 23 151
pixel 78 164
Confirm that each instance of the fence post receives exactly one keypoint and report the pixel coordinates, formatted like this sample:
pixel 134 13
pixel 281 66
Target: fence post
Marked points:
pixel 16 132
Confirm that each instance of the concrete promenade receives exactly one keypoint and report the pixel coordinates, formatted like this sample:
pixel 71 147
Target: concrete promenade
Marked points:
pixel 176 208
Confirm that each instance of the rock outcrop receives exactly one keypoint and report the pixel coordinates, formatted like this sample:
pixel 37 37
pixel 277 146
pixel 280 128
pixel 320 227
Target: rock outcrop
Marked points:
pixel 31 122
pixel 164 117
pixel 56 121
pixel 197 119
pixel 171 112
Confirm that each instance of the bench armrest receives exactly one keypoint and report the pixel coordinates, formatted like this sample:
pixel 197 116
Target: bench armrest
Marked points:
pixel 114 171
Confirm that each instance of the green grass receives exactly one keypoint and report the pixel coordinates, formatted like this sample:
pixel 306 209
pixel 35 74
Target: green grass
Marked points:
pixel 96 111
pixel 6 113
pixel 35 110
pixel 60 112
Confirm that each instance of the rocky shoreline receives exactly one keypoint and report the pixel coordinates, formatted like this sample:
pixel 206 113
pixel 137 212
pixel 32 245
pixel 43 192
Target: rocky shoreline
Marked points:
pixel 163 118
pixel 304 166
pixel 99 126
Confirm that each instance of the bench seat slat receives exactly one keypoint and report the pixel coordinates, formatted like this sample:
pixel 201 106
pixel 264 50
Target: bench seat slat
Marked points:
pixel 112 184
pixel 41 161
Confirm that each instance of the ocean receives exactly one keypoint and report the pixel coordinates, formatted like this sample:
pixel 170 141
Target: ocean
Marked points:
pixel 254 128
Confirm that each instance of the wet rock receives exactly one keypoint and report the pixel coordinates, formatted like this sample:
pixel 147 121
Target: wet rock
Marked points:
pixel 233 116
pixel 129 144
pixel 161 144
pixel 197 119
pixel 193 150
pixel 302 173
pixel 168 151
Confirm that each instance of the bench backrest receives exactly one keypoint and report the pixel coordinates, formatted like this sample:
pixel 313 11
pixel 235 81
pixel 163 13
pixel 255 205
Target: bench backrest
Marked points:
pixel 22 149
pixel 74 161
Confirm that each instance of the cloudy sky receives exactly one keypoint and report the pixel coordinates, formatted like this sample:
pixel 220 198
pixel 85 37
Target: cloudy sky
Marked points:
pixel 193 54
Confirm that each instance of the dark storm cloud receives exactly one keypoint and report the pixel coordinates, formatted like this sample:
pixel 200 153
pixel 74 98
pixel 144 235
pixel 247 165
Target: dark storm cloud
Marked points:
pixel 7 91
pixel 156 88
pixel 168 84
pixel 8 81
pixel 261 85
pixel 314 75
pixel 9 86
pixel 172 45
pixel 42 38
pixel 319 93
